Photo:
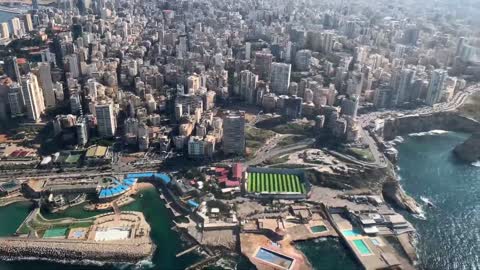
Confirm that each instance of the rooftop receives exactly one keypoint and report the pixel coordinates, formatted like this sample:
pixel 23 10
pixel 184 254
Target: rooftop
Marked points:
pixel 96 151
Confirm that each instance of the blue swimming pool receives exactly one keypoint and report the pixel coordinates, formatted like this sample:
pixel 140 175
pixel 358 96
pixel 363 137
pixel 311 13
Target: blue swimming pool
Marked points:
pixel 274 258
pixel 362 247
pixel 319 229
pixel 349 233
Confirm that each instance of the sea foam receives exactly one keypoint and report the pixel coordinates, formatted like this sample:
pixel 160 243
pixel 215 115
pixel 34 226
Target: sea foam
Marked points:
pixel 428 133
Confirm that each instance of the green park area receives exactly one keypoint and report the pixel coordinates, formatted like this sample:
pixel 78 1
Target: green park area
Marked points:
pixel 274 183
pixel 256 137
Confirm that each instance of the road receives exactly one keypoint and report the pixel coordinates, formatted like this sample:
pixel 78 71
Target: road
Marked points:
pixel 366 119
pixel 275 152
pixel 455 102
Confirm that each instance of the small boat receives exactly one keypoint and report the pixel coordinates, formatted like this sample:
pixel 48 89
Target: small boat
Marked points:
pixel 427 201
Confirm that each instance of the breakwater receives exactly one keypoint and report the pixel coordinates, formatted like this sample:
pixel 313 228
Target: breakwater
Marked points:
pixel 116 251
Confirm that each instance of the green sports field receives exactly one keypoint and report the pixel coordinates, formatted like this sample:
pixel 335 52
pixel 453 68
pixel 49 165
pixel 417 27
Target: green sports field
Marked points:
pixel 274 183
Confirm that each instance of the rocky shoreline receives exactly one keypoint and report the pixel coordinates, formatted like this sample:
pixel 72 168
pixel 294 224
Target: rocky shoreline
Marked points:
pixel 469 151
pixel 114 251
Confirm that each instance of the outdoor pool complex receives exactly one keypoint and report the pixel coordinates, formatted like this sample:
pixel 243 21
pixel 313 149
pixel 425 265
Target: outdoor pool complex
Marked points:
pixel 274 183
pixel 351 233
pixel 318 229
pixel 362 247
pixel 274 258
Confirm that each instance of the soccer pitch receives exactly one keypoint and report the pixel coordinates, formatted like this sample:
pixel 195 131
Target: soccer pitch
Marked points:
pixel 274 183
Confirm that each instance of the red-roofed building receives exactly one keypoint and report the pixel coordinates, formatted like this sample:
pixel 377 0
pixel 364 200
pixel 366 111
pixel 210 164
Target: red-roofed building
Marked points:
pixel 237 171
pixel 21 61
pixel 230 183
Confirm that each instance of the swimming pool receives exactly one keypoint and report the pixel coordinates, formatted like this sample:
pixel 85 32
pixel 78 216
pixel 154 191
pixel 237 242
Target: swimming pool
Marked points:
pixel 349 233
pixel 362 247
pixel 274 258
pixel 319 229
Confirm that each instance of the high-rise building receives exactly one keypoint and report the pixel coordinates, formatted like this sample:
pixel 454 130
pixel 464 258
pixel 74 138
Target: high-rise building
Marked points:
pixel 17 29
pixel 33 97
pixel 400 50
pixel 350 106
pixel 302 60
pixel 248 85
pixel 407 76
pixel 382 96
pixel 106 119
pixel 15 100
pixel 328 40
pixel 11 68
pixel 263 65
pixel 292 108
pixel 4 31
pixel 27 22
pixel 45 80
pixel 436 86
pixel 35 4
pixel 72 64
pixel 248 50
pixel 234 133
pixel 75 103
pixel 280 78
pixel 411 35
pixel 193 83
pixel 82 131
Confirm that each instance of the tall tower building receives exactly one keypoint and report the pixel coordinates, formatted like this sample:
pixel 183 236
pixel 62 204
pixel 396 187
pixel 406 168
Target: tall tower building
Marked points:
pixel 4 31
pixel 33 97
pixel 45 79
pixel 106 120
pixel 436 86
pixel 302 60
pixel 263 65
pixel 248 50
pixel 15 100
pixel 73 65
pixel 407 76
pixel 193 83
pixel 234 133
pixel 248 85
pixel 81 128
pixel 350 106
pixel 11 68
pixel 35 4
pixel 16 27
pixel 382 95
pixel 27 22
pixel 280 78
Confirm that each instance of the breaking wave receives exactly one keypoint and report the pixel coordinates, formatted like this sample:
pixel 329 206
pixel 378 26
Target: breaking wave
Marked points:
pixel 429 133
